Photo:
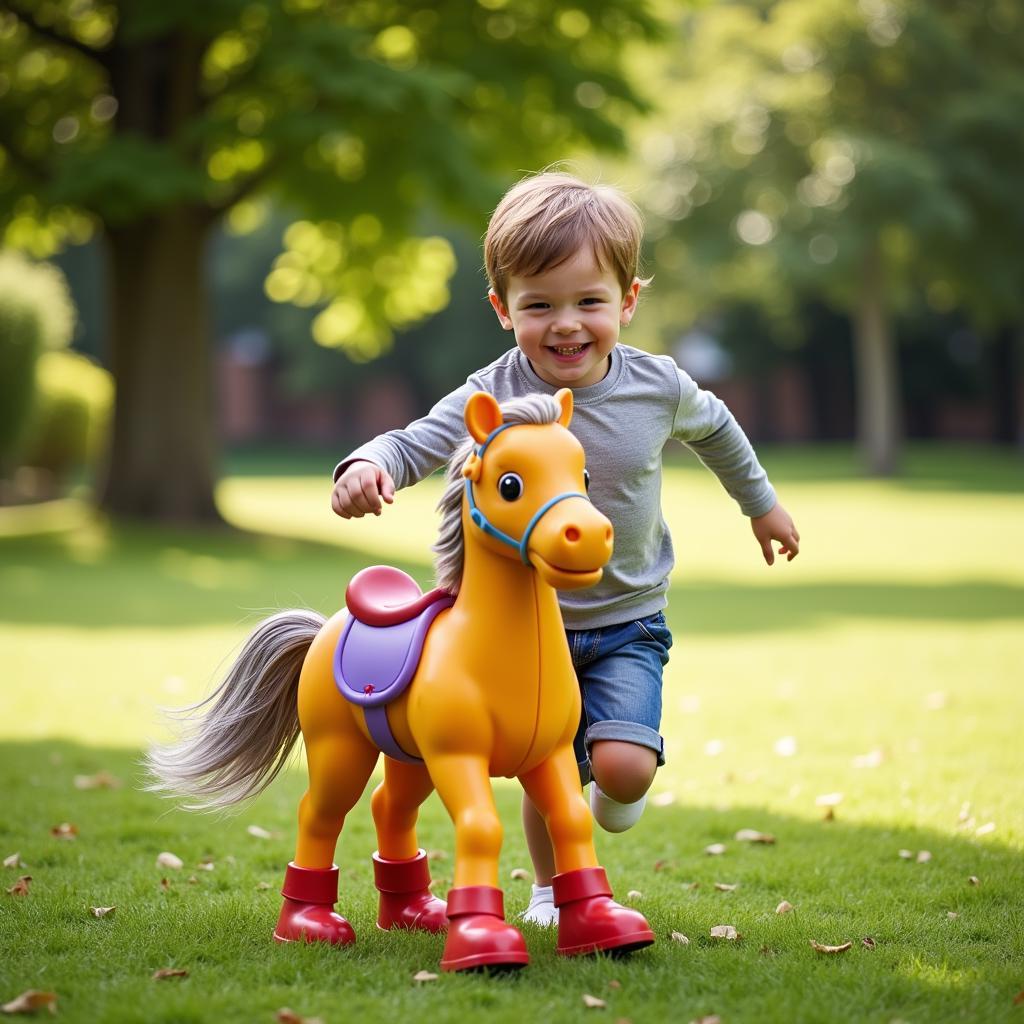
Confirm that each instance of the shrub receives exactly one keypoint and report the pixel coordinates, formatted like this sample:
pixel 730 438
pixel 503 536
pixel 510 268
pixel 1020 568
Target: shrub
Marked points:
pixel 36 315
pixel 69 424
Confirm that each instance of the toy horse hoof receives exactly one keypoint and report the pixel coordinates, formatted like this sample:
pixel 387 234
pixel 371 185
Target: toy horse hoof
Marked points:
pixel 405 897
pixel 478 935
pixel 590 921
pixel 308 911
pixel 312 922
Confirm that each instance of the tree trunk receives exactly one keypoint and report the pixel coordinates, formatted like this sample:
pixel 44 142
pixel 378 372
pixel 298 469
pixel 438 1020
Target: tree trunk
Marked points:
pixel 163 450
pixel 1007 426
pixel 877 386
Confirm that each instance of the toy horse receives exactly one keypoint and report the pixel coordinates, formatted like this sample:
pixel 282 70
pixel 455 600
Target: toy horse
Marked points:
pixel 470 681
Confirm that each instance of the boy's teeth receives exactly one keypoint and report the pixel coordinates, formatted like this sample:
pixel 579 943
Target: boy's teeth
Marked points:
pixel 568 350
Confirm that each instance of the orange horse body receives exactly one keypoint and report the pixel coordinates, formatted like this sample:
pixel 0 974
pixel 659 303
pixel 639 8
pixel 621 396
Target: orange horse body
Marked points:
pixel 494 694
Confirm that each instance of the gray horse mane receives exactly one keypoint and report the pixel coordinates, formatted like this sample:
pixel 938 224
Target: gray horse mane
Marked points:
pixel 449 551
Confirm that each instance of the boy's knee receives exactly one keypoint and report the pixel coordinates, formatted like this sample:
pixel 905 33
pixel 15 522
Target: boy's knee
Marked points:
pixel 624 771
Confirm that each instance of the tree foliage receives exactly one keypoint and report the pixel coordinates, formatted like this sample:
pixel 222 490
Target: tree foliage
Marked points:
pixel 151 120
pixel 868 153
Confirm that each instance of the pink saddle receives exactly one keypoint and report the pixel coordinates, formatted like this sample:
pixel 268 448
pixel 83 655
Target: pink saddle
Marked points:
pixel 380 646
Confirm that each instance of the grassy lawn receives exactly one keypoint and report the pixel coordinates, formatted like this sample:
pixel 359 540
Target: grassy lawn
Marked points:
pixel 883 665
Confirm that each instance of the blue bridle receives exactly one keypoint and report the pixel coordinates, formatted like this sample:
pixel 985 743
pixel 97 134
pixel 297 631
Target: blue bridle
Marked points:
pixel 481 521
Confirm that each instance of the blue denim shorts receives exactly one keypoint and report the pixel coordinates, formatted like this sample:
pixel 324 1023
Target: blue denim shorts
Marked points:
pixel 619 670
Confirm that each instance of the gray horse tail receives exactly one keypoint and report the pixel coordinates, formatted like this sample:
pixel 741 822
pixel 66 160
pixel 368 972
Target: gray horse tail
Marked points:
pixel 233 743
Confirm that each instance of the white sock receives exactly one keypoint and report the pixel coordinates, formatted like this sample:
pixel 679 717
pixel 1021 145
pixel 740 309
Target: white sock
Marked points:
pixel 610 814
pixel 542 910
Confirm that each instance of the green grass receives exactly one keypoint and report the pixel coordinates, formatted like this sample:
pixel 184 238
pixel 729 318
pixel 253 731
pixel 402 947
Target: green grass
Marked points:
pixel 897 633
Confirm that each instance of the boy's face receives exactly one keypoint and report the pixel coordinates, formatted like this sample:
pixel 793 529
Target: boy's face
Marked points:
pixel 566 320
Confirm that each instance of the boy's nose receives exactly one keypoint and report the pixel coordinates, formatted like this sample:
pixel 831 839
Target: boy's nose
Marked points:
pixel 567 325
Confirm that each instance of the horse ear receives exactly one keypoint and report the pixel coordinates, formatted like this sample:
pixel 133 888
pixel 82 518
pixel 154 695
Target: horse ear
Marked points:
pixel 482 415
pixel 564 398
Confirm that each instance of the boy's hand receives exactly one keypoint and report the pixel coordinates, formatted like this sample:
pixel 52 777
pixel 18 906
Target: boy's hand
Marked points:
pixel 360 489
pixel 776 525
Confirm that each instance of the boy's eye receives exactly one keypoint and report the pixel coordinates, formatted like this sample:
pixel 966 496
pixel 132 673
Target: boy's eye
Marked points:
pixel 510 486
pixel 590 301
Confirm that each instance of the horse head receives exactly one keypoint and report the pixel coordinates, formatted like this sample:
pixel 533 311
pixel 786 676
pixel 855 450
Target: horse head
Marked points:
pixel 525 494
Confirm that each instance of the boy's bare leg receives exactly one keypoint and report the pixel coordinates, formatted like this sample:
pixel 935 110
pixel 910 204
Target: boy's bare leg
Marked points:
pixel 623 772
pixel 542 908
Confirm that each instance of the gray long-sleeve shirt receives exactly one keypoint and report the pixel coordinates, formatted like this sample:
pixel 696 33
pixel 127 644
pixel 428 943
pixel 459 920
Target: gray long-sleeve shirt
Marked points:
pixel 623 423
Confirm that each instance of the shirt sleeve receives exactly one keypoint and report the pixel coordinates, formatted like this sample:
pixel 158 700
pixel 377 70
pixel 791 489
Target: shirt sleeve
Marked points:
pixel 422 447
pixel 704 424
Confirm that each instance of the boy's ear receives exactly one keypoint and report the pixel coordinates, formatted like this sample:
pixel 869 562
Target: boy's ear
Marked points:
pixel 500 308
pixel 629 302
pixel 482 415
pixel 564 398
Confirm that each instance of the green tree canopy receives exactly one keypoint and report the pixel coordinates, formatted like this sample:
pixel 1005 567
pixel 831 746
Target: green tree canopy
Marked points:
pixel 149 121
pixel 862 152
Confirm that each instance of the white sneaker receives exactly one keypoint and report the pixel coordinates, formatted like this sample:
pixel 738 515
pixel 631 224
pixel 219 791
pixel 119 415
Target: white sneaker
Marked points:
pixel 542 910
pixel 610 814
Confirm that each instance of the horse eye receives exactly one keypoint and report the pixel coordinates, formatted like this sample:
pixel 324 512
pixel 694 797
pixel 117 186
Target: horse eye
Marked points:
pixel 586 479
pixel 510 486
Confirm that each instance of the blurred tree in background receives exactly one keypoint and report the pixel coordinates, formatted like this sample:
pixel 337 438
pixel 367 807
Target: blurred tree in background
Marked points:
pixel 151 121
pixel 868 154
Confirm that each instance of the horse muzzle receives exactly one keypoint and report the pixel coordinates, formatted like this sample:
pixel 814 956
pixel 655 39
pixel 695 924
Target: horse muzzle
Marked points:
pixel 571 545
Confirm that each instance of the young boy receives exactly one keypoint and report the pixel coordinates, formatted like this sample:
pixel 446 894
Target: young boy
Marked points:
pixel 562 258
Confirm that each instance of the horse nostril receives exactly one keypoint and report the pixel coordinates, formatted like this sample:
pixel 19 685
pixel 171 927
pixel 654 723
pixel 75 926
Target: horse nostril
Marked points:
pixel 572 534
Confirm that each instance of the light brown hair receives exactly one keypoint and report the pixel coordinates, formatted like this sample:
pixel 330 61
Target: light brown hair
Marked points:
pixel 546 218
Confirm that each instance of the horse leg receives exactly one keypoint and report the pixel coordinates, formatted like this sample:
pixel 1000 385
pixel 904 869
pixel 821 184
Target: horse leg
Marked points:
pixel 588 919
pixel 340 761
pixel 478 935
pixel 400 868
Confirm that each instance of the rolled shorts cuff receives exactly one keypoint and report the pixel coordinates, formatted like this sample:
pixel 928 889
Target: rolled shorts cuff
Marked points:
pixel 628 732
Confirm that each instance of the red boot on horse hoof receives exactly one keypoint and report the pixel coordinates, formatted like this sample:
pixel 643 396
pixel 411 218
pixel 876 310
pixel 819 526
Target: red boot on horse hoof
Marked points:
pixel 308 911
pixel 590 921
pixel 405 897
pixel 478 935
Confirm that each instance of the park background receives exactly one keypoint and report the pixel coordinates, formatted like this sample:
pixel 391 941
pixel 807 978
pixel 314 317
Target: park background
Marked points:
pixel 239 237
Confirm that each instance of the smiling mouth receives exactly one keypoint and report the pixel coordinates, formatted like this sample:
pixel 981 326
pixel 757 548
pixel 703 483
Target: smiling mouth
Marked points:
pixel 568 351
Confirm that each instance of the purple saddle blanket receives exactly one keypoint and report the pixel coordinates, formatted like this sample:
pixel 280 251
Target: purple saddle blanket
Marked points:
pixel 373 664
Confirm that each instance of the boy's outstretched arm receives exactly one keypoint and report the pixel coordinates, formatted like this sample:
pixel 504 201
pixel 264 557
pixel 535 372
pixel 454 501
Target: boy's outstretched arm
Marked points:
pixel 360 489
pixel 776 525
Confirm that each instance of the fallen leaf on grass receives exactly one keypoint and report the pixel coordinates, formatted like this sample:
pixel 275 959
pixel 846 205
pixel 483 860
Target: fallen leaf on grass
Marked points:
pixel 663 799
pixel 165 884
pixel 724 931
pixel 923 856
pixel 828 800
pixel 102 911
pixel 262 833
pixel 952 915
pixel 634 894
pixel 30 1001
pixel 906 854
pixel 65 830
pixel 287 1016
pixel 715 849
pixel 829 815
pixel 101 780
pixel 1018 999
pixel 691 885
pixel 680 938
pixel 615 983
pixel 819 947
pixel 872 759
pixel 785 746
pixel 784 907
pixel 868 943
pixel 436 855
pixel 263 885
pixel 421 976
pixel 520 874
pixel 192 880
pixel 169 860
pixel 751 835
pixel 973 880
pixel 986 829
pixel 14 861
pixel 592 1002
pixel 711 1018
pixel 20 887
pixel 169 972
